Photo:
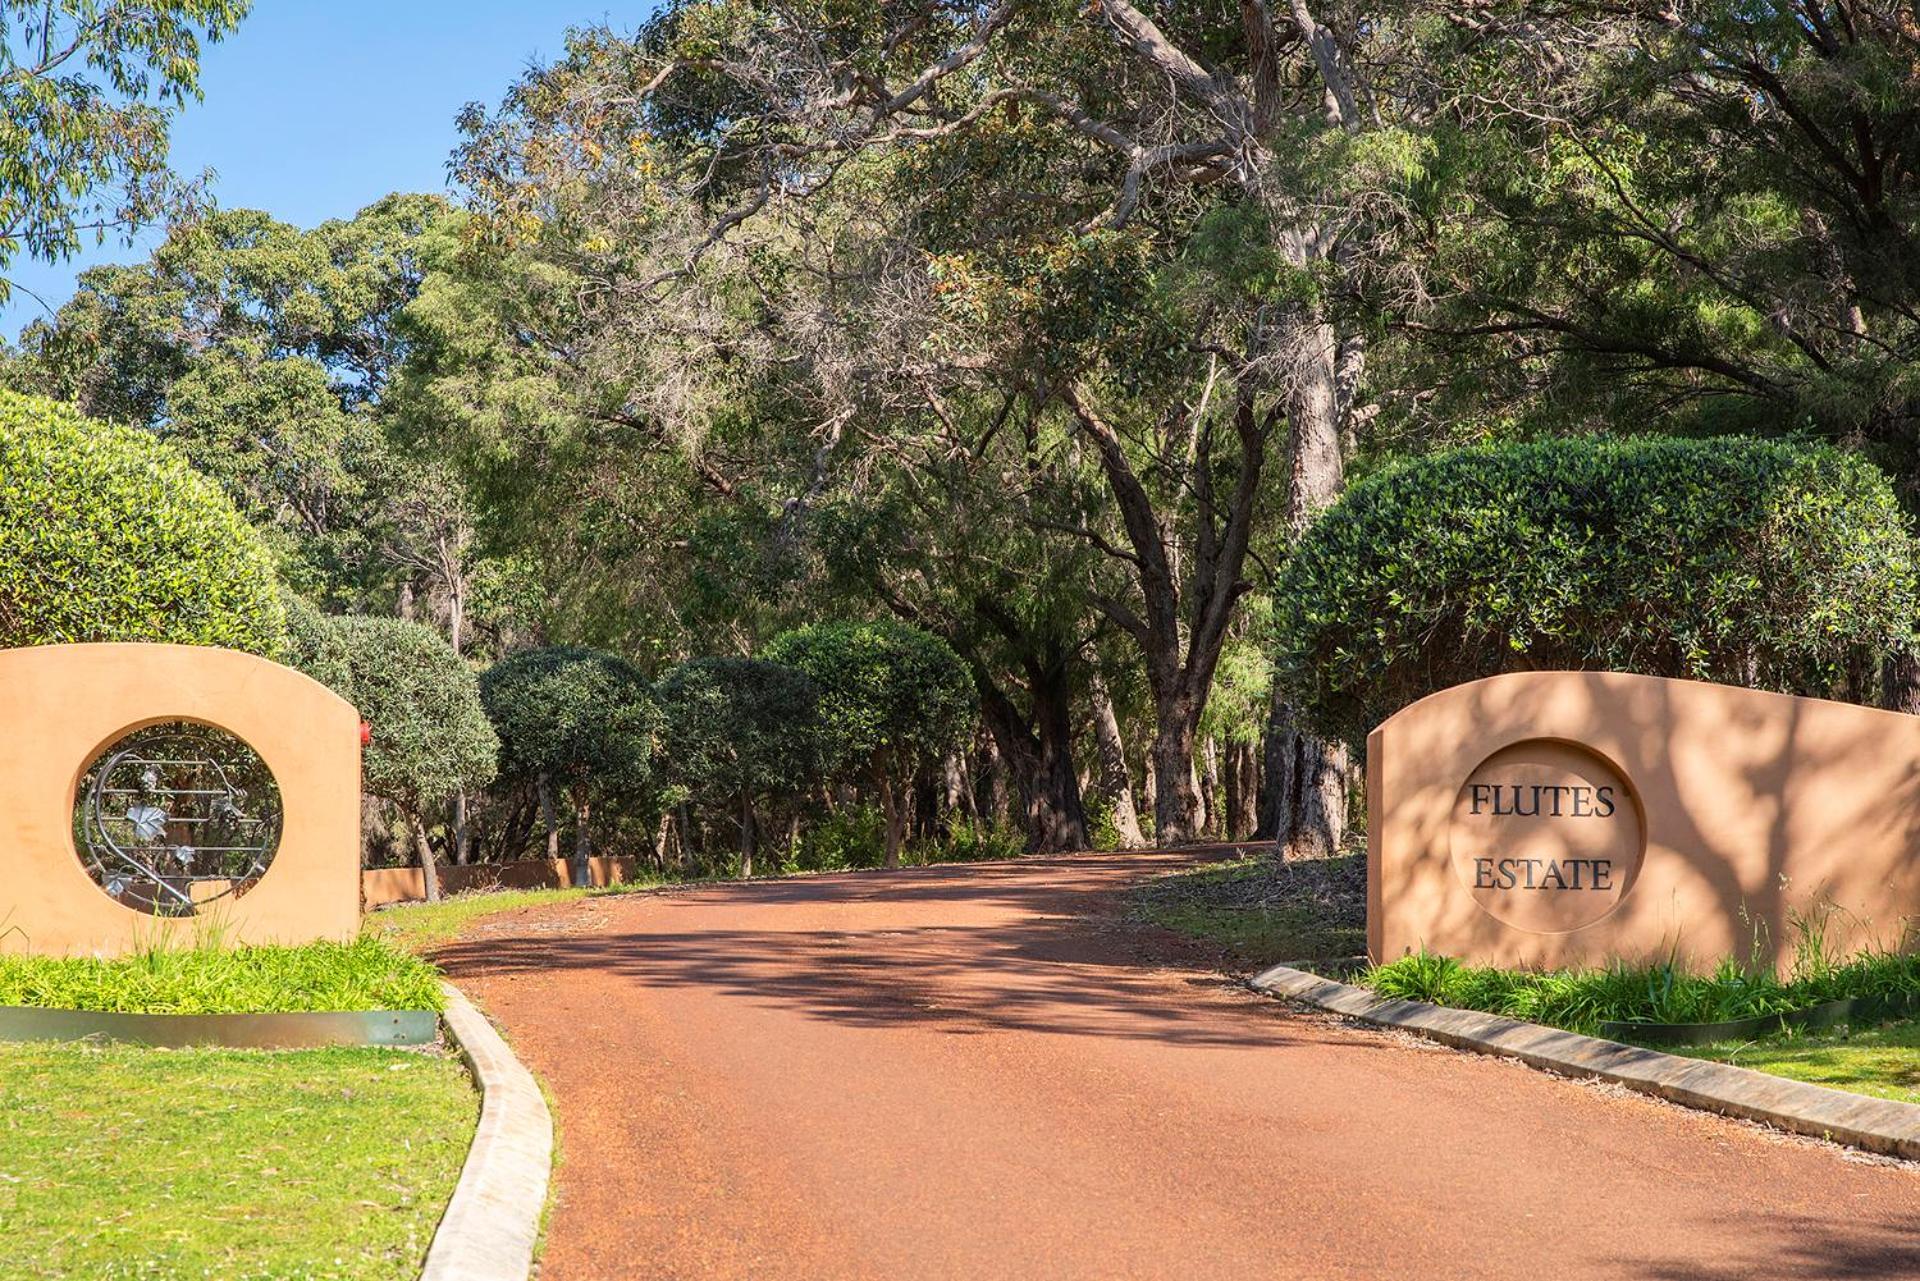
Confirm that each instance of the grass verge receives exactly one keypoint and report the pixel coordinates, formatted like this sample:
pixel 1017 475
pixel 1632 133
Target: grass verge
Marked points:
pixel 1258 912
pixel 419 927
pixel 1863 1059
pixel 370 973
pixel 124 1162
pixel 1881 1061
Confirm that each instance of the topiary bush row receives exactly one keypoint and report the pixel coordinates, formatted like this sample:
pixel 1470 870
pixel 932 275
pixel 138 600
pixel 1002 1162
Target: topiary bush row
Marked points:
pixel 1767 563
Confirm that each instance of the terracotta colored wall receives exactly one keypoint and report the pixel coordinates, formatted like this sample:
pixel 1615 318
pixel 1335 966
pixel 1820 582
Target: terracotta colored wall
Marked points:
pixel 62 704
pixel 1653 816
pixel 386 885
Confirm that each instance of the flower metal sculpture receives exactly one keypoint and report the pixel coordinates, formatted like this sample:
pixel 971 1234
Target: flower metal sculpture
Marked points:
pixel 175 817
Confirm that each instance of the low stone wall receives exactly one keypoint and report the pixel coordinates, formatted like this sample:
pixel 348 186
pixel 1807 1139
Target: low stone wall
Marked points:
pixel 384 885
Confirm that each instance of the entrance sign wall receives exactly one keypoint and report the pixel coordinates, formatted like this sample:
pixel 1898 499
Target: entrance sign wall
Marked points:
pixel 1567 818
pixel 72 850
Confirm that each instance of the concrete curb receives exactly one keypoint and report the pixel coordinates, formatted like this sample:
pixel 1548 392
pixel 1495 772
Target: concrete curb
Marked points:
pixel 1876 1125
pixel 492 1223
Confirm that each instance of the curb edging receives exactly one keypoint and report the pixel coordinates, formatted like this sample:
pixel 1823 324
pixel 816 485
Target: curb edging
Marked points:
pixel 493 1221
pixel 1857 1120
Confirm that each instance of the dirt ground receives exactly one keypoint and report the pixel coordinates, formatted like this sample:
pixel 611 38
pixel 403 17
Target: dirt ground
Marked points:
pixel 979 1072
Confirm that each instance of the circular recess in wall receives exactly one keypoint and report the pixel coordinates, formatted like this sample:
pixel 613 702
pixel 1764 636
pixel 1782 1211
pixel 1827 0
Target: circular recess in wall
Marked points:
pixel 1547 836
pixel 174 818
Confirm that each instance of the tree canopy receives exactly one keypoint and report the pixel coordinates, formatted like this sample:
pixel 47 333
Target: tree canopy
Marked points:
pixel 89 90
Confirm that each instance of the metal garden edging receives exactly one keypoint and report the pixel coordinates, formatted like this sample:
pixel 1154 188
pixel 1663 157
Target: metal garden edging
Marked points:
pixel 291 1031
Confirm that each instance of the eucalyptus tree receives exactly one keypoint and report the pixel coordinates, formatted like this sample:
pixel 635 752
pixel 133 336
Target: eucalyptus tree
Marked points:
pixel 1140 222
pixel 89 90
pixel 1697 214
pixel 265 353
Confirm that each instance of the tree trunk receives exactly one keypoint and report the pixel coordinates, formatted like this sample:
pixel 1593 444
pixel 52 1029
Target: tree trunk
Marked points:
pixel 890 805
pixel 1310 799
pixel 582 871
pixel 1210 788
pixel 748 831
pixel 462 853
pixel 1240 809
pixel 663 843
pixel 429 873
pixel 1309 775
pixel 548 821
pixel 1039 755
pixel 1177 814
pixel 1900 682
pixel 999 803
pixel 1116 780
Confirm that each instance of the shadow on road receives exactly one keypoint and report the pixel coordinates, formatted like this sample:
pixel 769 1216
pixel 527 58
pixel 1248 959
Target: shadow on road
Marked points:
pixel 1049 955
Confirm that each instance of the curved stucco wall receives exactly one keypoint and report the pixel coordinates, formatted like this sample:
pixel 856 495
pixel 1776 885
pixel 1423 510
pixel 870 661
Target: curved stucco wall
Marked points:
pixel 1652 816
pixel 61 705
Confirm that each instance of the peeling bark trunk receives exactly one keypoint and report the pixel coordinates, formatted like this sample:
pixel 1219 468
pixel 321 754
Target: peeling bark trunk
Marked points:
pixel 429 872
pixel 1308 775
pixel 1210 788
pixel 582 872
pixel 462 844
pixel 1116 780
pixel 548 820
pixel 890 806
pixel 749 830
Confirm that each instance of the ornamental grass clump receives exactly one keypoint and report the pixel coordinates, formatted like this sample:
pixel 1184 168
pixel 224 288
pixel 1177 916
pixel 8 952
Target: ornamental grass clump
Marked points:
pixel 1657 992
pixel 369 973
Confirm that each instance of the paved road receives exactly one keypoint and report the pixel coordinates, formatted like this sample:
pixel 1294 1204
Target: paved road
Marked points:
pixel 965 1073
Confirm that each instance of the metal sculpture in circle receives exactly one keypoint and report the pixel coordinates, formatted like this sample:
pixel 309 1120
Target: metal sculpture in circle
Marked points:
pixel 177 816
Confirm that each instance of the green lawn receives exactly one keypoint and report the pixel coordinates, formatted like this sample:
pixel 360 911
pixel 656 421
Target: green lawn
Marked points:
pixel 237 1164
pixel 1882 1061
pixel 419 927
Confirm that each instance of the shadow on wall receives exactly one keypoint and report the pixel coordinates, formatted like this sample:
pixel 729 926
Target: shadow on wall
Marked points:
pixel 1762 810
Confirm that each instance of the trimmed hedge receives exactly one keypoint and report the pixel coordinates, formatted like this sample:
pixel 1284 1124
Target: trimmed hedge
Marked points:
pixel 1751 562
pixel 106 534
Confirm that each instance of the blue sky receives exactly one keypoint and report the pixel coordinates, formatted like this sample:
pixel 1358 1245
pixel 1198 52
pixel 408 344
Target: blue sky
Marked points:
pixel 316 108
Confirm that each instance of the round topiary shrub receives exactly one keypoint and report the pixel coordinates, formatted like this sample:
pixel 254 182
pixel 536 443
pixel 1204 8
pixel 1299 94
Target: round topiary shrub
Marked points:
pixel 891 697
pixel 579 718
pixel 1753 562
pixel 738 730
pixel 106 534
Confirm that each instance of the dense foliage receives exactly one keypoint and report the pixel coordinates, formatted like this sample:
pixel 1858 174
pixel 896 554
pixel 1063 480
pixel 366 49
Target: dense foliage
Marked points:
pixel 573 719
pixel 108 535
pixel 430 736
pixel 1766 563
pixel 578 716
pixel 89 90
pixel 1046 331
pixel 891 698
pixel 739 730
